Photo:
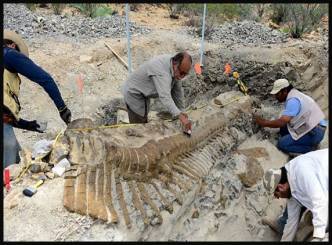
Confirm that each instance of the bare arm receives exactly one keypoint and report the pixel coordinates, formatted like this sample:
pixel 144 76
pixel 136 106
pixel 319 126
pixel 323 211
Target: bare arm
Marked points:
pixel 278 123
pixel 177 95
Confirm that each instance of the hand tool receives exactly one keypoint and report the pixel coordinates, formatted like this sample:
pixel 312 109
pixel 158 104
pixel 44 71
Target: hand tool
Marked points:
pixel 6 180
pixel 30 191
pixel 242 87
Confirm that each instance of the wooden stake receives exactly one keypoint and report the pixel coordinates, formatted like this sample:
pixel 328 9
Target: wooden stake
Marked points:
pixel 117 56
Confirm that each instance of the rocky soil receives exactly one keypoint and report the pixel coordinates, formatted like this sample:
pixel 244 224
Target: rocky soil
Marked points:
pixel 31 25
pixel 244 32
pixel 65 49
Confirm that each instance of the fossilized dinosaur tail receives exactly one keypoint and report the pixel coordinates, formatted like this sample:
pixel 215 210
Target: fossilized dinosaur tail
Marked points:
pixel 113 180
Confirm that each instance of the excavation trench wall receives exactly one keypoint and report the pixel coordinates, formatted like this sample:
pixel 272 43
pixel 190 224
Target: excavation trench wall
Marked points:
pixel 305 66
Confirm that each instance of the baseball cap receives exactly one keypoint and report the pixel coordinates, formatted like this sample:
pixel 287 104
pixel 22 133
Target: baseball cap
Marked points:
pixel 271 179
pixel 279 85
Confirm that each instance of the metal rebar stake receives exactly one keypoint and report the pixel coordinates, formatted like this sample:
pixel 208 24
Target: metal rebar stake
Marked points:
pixel 128 37
pixel 202 41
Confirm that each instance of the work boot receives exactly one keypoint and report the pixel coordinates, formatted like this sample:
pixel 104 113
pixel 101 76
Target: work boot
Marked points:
pixel 304 233
pixel 272 223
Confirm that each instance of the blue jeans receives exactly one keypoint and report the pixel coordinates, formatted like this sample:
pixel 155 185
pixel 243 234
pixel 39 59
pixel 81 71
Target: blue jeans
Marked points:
pixel 306 143
pixel 11 147
pixel 282 220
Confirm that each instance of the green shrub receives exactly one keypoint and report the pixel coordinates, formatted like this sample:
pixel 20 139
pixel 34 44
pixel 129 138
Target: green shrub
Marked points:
pixel 279 13
pixel 93 10
pixel 87 9
pixel 31 6
pixel 302 18
pixel 284 29
pixel 102 11
pixel 173 10
pixel 220 11
pixel 58 7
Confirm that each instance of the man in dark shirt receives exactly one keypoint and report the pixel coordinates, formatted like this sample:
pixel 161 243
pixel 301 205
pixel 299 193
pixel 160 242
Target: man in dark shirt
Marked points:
pixel 16 61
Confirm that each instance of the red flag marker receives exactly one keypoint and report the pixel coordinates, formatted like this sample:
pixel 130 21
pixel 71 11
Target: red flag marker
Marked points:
pixel 80 83
pixel 6 179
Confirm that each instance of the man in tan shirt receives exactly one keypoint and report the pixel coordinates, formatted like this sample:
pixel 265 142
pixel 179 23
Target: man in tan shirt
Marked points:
pixel 158 77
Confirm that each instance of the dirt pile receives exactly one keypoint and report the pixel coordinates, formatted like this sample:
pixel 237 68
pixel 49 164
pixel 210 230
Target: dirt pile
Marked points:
pixel 30 24
pixel 244 32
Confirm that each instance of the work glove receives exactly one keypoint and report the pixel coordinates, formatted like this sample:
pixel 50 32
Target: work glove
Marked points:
pixel 65 115
pixel 28 125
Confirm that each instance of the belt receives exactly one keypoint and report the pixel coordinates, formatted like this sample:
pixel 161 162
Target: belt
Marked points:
pixel 7 118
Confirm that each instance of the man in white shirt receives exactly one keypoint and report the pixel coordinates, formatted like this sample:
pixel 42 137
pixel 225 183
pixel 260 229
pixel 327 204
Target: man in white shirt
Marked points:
pixel 304 181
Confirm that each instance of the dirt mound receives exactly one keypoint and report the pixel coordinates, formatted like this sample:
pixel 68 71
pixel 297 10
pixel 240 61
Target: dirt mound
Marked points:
pixel 244 32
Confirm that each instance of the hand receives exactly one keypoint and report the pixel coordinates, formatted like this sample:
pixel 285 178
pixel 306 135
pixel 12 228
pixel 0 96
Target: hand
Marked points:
pixel 28 125
pixel 65 115
pixel 183 117
pixel 258 119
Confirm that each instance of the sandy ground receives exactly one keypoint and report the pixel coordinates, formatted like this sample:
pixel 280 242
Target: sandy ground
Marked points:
pixel 43 214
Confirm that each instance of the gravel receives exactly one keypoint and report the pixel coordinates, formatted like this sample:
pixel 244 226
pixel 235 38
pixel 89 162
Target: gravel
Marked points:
pixel 30 24
pixel 244 32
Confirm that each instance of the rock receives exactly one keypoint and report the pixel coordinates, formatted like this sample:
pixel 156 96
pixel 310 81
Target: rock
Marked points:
pixel 122 116
pixel 258 203
pixel 155 221
pixel 244 32
pixel 133 132
pixel 61 167
pixel 226 98
pixel 41 148
pixel 85 58
pixel 13 203
pixel 18 17
pixel 12 199
pixel 50 175
pixel 35 168
pixel 219 214
pixel 37 176
pixel 253 173
pixel 195 214
pixel 14 170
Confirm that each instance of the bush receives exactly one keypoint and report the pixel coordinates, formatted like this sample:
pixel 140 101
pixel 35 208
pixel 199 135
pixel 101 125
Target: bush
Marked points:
pixel 93 10
pixel 102 11
pixel 31 6
pixel 58 7
pixel 302 18
pixel 220 12
pixel 279 12
pixel 260 9
pixel 173 10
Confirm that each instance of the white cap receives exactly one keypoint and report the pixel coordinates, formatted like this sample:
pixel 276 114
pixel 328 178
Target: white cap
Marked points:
pixel 279 85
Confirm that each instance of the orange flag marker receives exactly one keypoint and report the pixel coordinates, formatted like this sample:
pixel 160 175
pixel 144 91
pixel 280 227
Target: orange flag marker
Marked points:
pixel 228 69
pixel 198 68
